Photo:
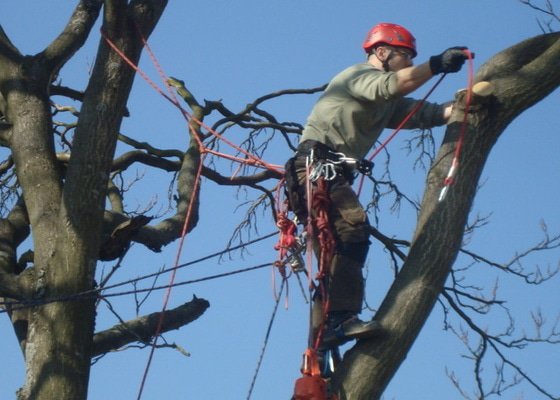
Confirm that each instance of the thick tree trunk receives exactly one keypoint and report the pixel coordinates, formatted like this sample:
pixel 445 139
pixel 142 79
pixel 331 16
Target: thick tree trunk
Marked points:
pixel 521 76
pixel 67 220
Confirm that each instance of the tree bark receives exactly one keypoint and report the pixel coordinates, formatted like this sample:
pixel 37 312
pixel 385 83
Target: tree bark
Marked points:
pixel 143 329
pixel 67 219
pixel 522 75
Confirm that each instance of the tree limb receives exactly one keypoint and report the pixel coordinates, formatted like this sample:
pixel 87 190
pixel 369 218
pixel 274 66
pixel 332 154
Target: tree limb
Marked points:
pixel 248 180
pixel 74 35
pixel 143 329
pixel 7 49
pixel 369 366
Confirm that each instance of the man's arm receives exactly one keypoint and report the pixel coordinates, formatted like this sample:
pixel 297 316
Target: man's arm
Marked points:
pixel 411 78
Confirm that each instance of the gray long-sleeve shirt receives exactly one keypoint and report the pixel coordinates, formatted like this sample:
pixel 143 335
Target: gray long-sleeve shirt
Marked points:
pixel 358 104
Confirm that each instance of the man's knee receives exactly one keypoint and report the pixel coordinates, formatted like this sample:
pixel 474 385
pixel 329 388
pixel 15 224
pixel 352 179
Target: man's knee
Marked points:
pixel 355 250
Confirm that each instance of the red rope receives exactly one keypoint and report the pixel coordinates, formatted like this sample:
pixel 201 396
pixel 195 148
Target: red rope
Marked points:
pixel 250 158
pixel 450 178
pixel 399 127
pixel 287 239
pixel 322 228
pixel 172 278
pixel 163 76
pixel 321 203
pixel 406 119
pixel 135 67
pixel 286 242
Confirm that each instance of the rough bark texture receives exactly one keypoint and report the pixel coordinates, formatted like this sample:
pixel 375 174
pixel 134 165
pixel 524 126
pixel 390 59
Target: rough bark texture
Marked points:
pixel 143 329
pixel 522 75
pixel 66 215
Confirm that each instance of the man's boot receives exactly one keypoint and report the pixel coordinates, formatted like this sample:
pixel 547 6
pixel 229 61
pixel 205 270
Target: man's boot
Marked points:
pixel 343 326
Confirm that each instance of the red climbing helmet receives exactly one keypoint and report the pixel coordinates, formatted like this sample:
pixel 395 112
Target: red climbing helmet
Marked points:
pixel 390 34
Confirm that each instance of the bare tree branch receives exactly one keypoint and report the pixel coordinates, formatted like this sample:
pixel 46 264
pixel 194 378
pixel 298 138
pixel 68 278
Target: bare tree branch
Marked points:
pixel 143 329
pixel 74 34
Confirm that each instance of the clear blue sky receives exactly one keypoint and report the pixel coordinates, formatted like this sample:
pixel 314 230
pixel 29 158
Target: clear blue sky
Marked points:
pixel 238 51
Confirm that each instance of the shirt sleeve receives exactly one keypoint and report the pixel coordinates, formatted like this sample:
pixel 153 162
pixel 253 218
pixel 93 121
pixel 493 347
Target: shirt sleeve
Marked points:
pixel 373 85
pixel 427 116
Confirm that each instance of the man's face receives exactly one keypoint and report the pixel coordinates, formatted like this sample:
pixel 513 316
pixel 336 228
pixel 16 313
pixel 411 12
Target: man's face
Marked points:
pixel 397 57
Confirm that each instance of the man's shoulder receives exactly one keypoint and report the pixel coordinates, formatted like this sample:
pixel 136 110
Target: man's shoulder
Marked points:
pixel 357 70
pixel 363 66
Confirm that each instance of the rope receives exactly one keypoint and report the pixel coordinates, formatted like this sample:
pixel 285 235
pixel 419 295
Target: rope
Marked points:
pixel 137 69
pixel 164 77
pixel 450 178
pixel 15 305
pixel 287 239
pixel 172 279
pixel 266 339
pixel 202 150
pixel 399 128
pixel 287 243
pixel 320 205
pixel 318 228
pixel 249 160
pixel 90 294
pixel 309 247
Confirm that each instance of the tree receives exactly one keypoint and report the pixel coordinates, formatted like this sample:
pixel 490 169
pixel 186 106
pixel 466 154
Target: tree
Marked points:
pixel 61 190
pixel 516 75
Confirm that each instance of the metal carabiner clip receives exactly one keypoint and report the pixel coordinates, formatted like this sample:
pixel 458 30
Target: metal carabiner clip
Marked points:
pixel 329 171
pixel 316 172
pixel 340 158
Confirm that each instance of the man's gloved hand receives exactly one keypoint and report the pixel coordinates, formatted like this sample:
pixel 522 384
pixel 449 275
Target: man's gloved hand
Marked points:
pixel 451 60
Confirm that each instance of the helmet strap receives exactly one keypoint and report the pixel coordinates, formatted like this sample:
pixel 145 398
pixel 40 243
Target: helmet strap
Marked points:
pixel 385 63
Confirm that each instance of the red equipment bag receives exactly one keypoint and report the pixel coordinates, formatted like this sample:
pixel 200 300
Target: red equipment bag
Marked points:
pixel 311 386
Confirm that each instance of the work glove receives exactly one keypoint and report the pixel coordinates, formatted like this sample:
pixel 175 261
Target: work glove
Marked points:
pixel 451 60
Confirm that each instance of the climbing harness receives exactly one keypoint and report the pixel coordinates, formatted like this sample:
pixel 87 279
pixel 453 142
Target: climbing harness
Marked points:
pixel 313 384
pixel 329 164
pixel 322 166
pixel 330 169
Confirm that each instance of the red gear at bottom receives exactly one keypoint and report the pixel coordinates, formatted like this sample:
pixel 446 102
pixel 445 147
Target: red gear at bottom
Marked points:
pixel 311 386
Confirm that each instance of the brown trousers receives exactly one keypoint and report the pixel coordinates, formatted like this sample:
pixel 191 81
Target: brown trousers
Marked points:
pixel 350 228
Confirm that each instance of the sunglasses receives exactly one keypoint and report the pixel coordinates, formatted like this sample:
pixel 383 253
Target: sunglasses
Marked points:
pixel 404 53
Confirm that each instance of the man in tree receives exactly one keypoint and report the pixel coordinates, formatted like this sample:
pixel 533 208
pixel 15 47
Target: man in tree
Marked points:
pixel 344 124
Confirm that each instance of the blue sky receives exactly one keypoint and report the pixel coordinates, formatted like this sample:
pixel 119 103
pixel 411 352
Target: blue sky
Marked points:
pixel 238 51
